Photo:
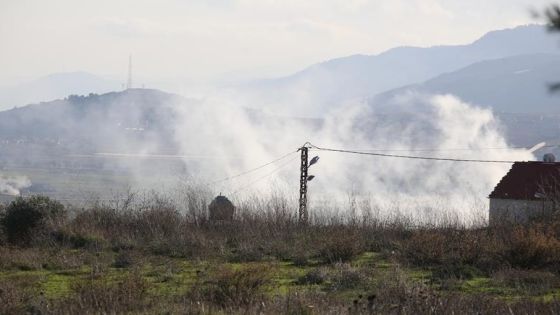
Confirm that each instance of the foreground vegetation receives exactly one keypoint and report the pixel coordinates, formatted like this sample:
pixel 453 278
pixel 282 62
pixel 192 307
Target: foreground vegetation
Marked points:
pixel 149 257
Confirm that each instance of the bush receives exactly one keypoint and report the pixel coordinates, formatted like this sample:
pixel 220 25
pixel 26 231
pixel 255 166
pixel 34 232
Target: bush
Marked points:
pixel 102 221
pixel 230 287
pixel 96 297
pixel 25 218
pixel 13 299
pixel 21 258
pixel 533 247
pixel 247 252
pixel 451 250
pixel 455 271
pixel 91 242
pixel 315 276
pixel 527 281
pixel 300 259
pixel 427 248
pixel 79 239
pixel 347 277
pixel 341 246
pixel 124 259
pixel 2 234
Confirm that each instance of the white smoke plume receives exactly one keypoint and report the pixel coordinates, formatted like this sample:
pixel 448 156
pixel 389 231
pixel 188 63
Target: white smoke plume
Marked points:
pixel 11 185
pixel 161 138
pixel 432 126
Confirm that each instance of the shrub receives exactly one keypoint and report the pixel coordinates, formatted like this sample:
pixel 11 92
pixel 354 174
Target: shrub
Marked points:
pixel 341 246
pixel 452 250
pixel 124 259
pixel 96 297
pixel 347 277
pixel 527 281
pixel 533 247
pixel 162 222
pixel 247 252
pixel 426 247
pixel 455 271
pixel 21 258
pixel 12 299
pixel 230 287
pixel 79 238
pixel 2 234
pixel 25 218
pixel 87 241
pixel 186 244
pixel 300 259
pixel 102 220
pixel 315 276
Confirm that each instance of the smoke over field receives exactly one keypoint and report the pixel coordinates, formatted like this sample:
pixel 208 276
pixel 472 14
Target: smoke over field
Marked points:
pixel 147 139
pixel 418 125
pixel 12 185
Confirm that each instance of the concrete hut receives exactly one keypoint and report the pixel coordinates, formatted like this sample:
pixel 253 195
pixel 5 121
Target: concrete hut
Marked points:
pixel 221 209
pixel 528 191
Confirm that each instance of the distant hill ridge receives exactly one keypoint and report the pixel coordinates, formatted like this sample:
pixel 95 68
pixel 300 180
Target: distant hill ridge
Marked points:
pixel 55 86
pixel 518 84
pixel 320 87
pixel 360 76
pixel 82 123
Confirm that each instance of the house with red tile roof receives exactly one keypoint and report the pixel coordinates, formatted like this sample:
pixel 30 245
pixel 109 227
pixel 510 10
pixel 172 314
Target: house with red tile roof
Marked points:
pixel 528 191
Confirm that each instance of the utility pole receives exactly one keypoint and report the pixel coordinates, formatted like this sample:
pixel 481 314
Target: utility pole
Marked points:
pixel 303 216
pixel 303 179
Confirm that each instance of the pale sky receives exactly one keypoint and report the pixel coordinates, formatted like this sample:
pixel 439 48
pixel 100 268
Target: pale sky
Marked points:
pixel 201 39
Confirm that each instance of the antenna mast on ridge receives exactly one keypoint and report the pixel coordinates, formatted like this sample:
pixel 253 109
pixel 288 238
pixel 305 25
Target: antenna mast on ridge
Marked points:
pixel 129 82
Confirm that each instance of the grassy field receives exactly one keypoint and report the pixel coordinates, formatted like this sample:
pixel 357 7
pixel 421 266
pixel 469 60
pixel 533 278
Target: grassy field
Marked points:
pixel 85 281
pixel 152 259
pixel 79 187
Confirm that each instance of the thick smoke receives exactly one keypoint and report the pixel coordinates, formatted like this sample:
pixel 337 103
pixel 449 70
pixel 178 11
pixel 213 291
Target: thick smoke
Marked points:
pixel 432 126
pixel 164 140
pixel 11 185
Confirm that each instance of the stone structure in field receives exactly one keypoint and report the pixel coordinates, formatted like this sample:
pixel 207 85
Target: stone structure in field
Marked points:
pixel 221 209
pixel 530 190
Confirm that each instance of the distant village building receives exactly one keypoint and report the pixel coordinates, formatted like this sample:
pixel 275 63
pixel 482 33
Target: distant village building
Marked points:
pixel 529 190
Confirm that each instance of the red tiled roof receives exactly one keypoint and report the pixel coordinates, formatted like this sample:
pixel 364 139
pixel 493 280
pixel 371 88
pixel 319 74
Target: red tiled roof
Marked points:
pixel 526 179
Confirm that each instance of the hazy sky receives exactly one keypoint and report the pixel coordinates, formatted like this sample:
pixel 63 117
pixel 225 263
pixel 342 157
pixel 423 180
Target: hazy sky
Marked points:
pixel 236 38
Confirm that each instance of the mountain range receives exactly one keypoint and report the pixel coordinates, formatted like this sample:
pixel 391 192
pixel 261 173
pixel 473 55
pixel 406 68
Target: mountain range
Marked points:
pixel 508 71
pixel 315 89
pixel 518 84
pixel 362 76
pixel 55 86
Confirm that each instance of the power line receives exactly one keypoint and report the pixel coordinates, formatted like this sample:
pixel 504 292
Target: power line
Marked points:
pixel 265 176
pixel 410 156
pixel 251 170
pixel 446 150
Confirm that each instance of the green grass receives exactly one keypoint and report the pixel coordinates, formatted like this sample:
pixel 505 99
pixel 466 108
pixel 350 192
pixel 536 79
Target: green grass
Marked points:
pixel 485 285
pixel 56 285
pixel 169 277
pixel 368 259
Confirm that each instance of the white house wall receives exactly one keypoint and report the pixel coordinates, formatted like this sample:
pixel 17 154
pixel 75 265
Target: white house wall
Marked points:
pixel 518 211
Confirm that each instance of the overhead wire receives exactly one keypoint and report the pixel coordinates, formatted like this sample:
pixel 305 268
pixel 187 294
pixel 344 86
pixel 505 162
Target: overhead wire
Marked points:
pixel 370 152
pixel 409 156
pixel 446 150
pixel 251 170
pixel 265 176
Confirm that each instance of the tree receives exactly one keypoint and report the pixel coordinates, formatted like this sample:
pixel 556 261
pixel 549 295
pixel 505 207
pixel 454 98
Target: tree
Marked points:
pixel 553 16
pixel 24 219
